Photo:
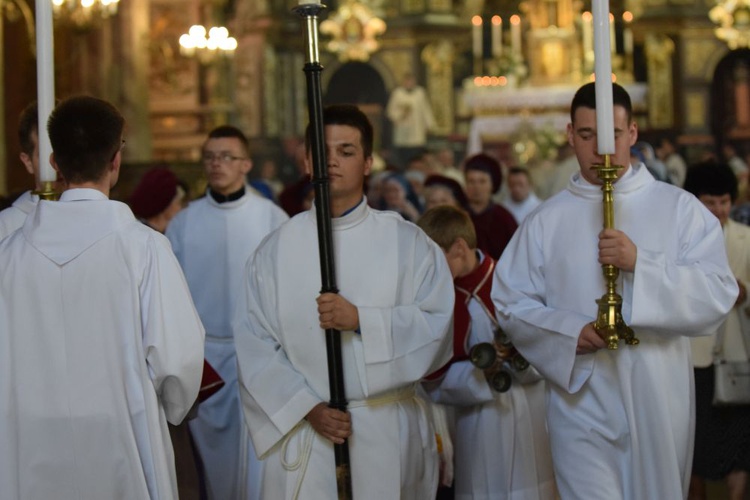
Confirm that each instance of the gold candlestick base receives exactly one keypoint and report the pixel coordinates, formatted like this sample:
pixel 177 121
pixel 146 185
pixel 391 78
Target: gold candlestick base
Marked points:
pixel 609 323
pixel 47 192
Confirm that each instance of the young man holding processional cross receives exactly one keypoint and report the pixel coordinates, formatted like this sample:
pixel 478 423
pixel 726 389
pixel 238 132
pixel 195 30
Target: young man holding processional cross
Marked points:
pixel 393 310
pixel 620 421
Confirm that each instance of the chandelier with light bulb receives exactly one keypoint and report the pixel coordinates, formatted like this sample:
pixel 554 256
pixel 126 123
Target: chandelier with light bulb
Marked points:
pixel 733 19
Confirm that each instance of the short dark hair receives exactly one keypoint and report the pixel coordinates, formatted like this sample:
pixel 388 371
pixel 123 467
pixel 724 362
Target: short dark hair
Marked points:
pixel 228 131
pixel 444 224
pixel 349 115
pixel 586 97
pixel 28 123
pixel 521 171
pixel 713 178
pixel 86 134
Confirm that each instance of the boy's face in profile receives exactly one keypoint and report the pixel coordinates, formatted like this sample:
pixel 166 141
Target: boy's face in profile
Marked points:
pixel 454 259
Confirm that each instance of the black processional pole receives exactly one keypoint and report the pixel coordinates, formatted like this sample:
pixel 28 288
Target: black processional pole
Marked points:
pixel 313 68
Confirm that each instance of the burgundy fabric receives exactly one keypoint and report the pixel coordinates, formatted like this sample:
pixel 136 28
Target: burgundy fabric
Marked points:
pixel 154 193
pixel 477 284
pixel 494 227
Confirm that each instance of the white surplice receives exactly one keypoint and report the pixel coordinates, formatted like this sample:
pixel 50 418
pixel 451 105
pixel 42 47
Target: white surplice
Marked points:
pixel 520 209
pixel 401 285
pixel 620 422
pixel 14 216
pixel 212 242
pixel 502 449
pixel 412 117
pixel 100 346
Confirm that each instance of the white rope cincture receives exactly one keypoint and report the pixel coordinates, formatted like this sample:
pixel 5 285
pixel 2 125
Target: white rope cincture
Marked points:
pixel 303 458
pixel 301 461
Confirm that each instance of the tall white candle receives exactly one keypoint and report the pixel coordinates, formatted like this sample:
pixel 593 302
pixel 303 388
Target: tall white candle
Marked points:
pixel 45 82
pixel 605 124
pixel 476 34
pixel 515 34
pixel 627 34
pixel 497 36
pixel 587 35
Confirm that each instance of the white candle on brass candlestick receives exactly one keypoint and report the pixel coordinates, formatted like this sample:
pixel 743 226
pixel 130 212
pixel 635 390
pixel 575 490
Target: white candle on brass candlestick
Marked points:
pixel 45 82
pixel 605 124
pixel 515 34
pixel 497 36
pixel 476 33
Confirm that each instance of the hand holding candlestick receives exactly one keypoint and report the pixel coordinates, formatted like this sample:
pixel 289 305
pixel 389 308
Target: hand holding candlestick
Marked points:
pixel 609 323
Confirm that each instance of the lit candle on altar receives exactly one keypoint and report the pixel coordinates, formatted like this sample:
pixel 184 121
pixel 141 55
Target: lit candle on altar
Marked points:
pixel 45 85
pixel 627 33
pixel 515 34
pixel 612 38
pixel 476 34
pixel 586 29
pixel 497 36
pixel 605 124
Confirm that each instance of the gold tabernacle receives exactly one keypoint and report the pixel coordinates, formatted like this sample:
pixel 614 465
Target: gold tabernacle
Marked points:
pixel 609 323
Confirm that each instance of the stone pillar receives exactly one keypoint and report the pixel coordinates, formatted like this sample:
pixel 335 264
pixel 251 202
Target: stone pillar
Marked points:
pixel 133 101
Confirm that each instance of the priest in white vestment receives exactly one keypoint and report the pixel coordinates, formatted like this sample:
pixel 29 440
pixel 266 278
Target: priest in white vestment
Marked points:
pixel 213 239
pixel 620 421
pixel 393 311
pixel 100 344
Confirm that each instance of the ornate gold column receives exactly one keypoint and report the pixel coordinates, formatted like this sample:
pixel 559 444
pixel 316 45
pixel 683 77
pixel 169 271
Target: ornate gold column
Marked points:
pixel 133 96
pixel 659 51
pixel 438 58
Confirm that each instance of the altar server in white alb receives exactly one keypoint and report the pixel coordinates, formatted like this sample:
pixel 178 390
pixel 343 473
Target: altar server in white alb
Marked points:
pixel 502 448
pixel 620 421
pixel 394 310
pixel 100 344
pixel 213 238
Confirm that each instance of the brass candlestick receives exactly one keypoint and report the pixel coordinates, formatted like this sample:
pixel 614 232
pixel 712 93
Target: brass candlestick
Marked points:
pixel 609 323
pixel 47 192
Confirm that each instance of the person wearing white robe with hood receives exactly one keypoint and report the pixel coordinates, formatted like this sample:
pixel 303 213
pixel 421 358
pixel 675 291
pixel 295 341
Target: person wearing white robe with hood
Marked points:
pixel 393 311
pixel 213 238
pixel 620 421
pixel 100 345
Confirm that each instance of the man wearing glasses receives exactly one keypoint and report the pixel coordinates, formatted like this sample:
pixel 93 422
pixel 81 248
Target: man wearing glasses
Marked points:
pixel 213 238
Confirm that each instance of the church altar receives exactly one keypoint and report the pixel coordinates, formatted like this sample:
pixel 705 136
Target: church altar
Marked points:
pixel 500 112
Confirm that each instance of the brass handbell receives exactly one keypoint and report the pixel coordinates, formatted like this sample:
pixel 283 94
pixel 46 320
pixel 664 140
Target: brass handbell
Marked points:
pixel 609 323
pixel 493 356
